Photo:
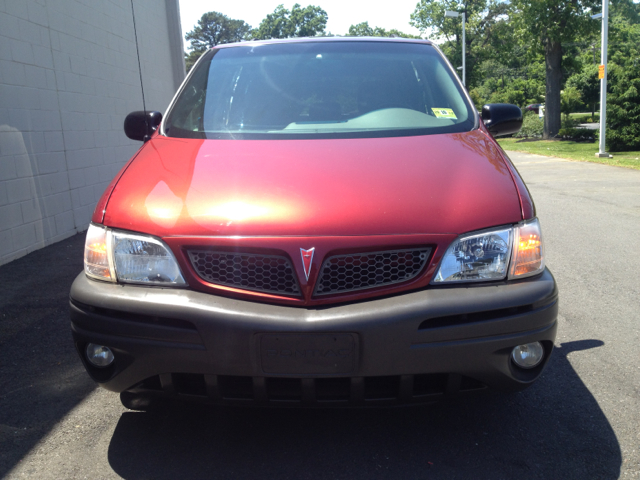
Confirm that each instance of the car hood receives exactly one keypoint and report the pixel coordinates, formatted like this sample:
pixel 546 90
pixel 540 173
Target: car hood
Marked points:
pixel 450 183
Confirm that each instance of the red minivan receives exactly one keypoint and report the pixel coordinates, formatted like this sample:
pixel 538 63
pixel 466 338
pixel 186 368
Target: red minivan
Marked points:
pixel 316 222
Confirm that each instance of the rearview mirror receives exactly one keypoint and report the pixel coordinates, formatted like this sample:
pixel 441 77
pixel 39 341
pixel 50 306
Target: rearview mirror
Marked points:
pixel 502 118
pixel 140 125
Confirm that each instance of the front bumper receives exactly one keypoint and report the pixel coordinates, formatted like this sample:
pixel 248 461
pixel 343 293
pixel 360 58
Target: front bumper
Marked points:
pixel 411 347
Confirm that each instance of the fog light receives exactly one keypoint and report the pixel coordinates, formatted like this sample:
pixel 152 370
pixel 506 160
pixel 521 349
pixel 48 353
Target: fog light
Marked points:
pixel 528 355
pixel 99 355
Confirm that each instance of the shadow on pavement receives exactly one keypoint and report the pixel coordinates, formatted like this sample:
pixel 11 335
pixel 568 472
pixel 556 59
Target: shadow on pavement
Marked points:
pixel 555 429
pixel 41 376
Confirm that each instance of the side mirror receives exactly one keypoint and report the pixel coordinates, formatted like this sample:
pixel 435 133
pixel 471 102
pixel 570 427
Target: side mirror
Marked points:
pixel 502 118
pixel 141 125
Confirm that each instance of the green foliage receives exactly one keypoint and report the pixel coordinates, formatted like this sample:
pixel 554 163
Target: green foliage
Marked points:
pixel 532 126
pixel 586 118
pixel 510 94
pixel 213 29
pixel 502 84
pixel 570 100
pixel 623 98
pixel 623 110
pixel 476 97
pixel 587 84
pixel 518 92
pixel 364 30
pixel 486 28
pixel 569 122
pixel 578 134
pixel 624 34
pixel 191 58
pixel 547 21
pixel 297 22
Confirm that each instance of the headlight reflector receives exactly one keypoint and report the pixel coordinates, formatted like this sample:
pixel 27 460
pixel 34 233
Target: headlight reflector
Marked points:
pixel 129 258
pixel 477 257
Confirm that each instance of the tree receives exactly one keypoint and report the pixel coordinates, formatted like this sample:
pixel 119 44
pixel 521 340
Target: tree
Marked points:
pixel 623 109
pixel 364 30
pixel 587 83
pixel 485 26
pixel 299 22
pixel 213 29
pixel 623 78
pixel 624 34
pixel 518 91
pixel 546 24
pixel 570 100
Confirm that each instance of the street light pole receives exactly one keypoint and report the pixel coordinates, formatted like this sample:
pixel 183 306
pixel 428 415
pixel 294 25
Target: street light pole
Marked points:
pixel 603 80
pixel 450 13
pixel 464 51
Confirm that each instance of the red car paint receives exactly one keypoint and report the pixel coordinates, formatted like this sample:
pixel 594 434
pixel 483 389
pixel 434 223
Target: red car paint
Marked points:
pixel 526 202
pixel 337 195
pixel 450 183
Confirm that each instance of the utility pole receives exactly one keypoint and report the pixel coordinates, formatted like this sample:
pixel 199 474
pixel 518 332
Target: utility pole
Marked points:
pixel 464 50
pixel 450 13
pixel 603 77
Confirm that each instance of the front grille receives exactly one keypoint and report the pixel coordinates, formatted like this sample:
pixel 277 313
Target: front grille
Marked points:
pixel 249 271
pixel 359 271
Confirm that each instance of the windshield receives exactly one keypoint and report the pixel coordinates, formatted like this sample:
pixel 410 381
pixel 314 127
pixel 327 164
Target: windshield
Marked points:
pixel 320 90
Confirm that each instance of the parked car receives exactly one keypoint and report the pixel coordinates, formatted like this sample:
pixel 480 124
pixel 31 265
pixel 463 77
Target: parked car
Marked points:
pixel 316 222
pixel 534 107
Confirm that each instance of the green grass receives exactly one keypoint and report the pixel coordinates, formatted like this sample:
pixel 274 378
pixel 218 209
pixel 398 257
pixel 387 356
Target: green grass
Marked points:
pixel 582 117
pixel 580 151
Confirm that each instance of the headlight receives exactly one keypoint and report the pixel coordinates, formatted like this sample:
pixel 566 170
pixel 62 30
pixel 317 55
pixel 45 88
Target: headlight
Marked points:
pixel 485 256
pixel 129 258
pixel 472 258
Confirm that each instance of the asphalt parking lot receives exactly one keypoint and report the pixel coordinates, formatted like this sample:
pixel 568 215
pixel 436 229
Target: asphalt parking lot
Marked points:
pixel 580 420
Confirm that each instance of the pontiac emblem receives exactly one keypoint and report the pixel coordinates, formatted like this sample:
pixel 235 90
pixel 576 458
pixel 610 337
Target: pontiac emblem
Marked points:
pixel 307 258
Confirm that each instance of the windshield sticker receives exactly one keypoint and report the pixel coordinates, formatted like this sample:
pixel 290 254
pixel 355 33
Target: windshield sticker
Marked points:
pixel 444 113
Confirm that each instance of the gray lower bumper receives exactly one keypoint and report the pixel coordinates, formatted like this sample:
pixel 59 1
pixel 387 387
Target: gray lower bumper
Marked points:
pixel 467 331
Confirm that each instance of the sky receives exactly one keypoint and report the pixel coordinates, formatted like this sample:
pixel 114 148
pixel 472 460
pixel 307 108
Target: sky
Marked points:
pixel 342 13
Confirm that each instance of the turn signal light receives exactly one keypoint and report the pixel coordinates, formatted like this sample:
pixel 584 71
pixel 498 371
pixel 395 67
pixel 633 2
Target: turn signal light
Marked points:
pixel 96 254
pixel 528 251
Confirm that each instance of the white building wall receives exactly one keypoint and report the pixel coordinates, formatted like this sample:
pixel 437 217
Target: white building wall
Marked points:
pixel 68 77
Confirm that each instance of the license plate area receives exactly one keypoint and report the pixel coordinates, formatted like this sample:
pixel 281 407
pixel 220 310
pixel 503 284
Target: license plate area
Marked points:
pixel 308 354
